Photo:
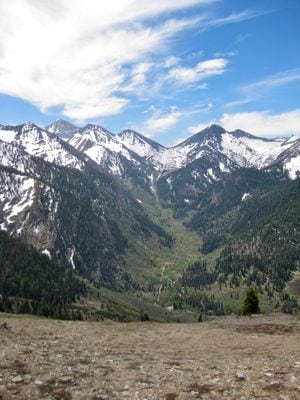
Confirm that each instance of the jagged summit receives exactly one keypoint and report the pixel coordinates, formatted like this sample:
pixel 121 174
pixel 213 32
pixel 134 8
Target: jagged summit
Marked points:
pixel 62 128
pixel 97 130
pixel 130 150
pixel 213 131
pixel 40 143
pixel 139 143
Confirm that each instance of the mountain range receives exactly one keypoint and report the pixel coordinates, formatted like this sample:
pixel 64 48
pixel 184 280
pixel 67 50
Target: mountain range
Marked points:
pixel 96 202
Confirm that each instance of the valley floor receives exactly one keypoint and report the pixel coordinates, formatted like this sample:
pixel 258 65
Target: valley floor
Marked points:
pixel 226 358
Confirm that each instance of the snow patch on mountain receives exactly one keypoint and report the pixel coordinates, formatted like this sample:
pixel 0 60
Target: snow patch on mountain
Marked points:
pixel 100 145
pixel 246 196
pixel 7 135
pixel 139 144
pixel 46 252
pixel 40 143
pixel 71 259
pixel 175 157
pixel 293 167
pixel 16 196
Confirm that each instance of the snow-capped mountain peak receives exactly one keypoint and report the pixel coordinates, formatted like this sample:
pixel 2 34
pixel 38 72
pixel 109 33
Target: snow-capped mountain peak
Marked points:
pixel 129 149
pixel 40 143
pixel 103 147
pixel 62 128
pixel 139 144
pixel 97 133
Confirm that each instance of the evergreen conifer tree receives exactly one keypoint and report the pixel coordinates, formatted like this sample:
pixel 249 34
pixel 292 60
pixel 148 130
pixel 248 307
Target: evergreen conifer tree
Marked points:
pixel 251 302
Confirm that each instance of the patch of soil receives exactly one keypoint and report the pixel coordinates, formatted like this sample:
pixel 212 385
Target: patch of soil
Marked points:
pixel 269 329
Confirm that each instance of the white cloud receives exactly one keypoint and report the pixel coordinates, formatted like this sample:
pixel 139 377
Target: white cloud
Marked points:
pixel 137 77
pixel 272 81
pixel 232 53
pixel 234 18
pixel 75 54
pixel 201 71
pixel 259 123
pixel 86 57
pixel 256 90
pixel 171 61
pixel 238 102
pixel 160 121
pixel 263 123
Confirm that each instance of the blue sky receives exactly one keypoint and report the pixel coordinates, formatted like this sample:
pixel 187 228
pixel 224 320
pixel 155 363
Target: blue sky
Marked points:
pixel 166 68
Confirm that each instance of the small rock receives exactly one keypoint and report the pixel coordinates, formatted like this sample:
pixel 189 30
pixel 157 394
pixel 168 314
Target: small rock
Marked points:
pixel 283 397
pixel 241 375
pixel 66 379
pixel 17 379
pixel 39 383
pixel 4 325
pixel 2 389
pixel 270 374
pixel 62 394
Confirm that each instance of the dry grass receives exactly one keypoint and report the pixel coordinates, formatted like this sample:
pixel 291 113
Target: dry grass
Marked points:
pixel 269 329
pixel 227 358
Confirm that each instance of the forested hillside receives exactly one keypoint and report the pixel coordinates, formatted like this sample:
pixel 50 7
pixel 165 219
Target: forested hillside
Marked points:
pixel 31 283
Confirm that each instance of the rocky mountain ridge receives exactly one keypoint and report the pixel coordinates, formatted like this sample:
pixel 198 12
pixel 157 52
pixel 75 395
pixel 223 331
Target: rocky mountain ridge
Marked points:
pixel 236 149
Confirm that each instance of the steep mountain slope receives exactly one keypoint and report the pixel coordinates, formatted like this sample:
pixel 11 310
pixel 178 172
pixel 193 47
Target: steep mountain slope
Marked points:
pixel 213 153
pixel 31 283
pixel 146 148
pixel 217 201
pixel 62 129
pixel 110 153
pixel 81 218
pixel 40 143
pixel 241 148
pixel 250 233
pixel 289 159
pixel 266 240
pixel 132 156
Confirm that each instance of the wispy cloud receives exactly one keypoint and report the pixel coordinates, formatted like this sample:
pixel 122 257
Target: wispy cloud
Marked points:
pixel 201 71
pixel 226 54
pixel 238 102
pixel 234 18
pixel 241 37
pixel 273 81
pixel 87 58
pixel 78 54
pixel 160 120
pixel 255 90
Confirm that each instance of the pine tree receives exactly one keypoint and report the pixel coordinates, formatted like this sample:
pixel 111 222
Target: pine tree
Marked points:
pixel 251 302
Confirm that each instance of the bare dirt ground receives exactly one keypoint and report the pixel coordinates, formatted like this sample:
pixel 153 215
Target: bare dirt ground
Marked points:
pixel 227 358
